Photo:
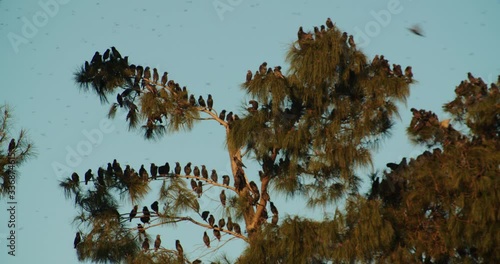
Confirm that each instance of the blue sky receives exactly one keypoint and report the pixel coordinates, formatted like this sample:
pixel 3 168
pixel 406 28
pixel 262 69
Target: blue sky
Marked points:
pixel 209 50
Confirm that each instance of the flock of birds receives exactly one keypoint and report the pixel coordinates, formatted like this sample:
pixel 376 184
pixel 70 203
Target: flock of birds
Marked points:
pixel 114 170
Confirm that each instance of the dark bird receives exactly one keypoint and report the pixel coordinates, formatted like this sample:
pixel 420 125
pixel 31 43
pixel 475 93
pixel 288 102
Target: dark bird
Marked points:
pixel 109 170
pixel 145 244
pixel 100 177
pixel 274 210
pixel 415 29
pixel 211 220
pixel 194 186
pixel 156 76
pixel 238 162
pixel 255 106
pixel 216 232
pixel 237 228
pixel 351 42
pixel 177 168
pixel 201 102
pixel 75 178
pixel 143 173
pixel 157 242
pixel 343 38
pixel 225 180
pixel 154 171
pixel 96 59
pixel 105 56
pixel 133 213
pixel 275 219
pixel 178 246
pixel 470 77
pixel 164 170
pixel 210 102
pixel 146 215
pixel 229 117
pixel 164 78
pixel 88 176
pixel 263 68
pixel 222 223
pixel 147 73
pixel 317 33
pixel 12 145
pixel 154 207
pixel 277 72
pixel 329 23
pixel 140 229
pixel 206 239
pixel 192 100
pixel 392 166
pixel 408 73
pixel 222 197
pixel 77 240
pixel 222 115
pixel 115 53
pixel 229 224
pixel 187 168
pixel 249 76
pixel 199 190
pixel 396 68
pixel 196 171
pixel 213 176
pixel 204 171
pixel 204 215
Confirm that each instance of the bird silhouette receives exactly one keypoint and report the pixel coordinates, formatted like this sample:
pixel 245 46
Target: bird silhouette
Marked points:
pixel 199 189
pixel 217 232
pixel 274 210
pixel 204 215
pixel 237 228
pixel 115 53
pixel 156 76
pixel 213 176
pixel 77 240
pixel 229 224
pixel 201 102
pixel 88 176
pixel 75 178
pixel 225 180
pixel 254 107
pixel 192 100
pixel 154 207
pixel 133 213
pixel 211 220
pixel 351 42
pixel 164 170
pixel 12 145
pixel 187 168
pixel 153 169
pixel 157 242
pixel 415 29
pixel 249 76
pixel 222 115
pixel 204 171
pixel 222 197
pixel 145 244
pixel 210 102
pixel 177 168
pixel 194 186
pixel 164 78
pixel 222 223
pixel 206 239
pixel 179 248
pixel 329 23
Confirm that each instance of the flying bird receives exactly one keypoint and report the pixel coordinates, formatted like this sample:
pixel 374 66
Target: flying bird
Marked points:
pixel 157 242
pixel 415 29
pixel 133 213
pixel 77 240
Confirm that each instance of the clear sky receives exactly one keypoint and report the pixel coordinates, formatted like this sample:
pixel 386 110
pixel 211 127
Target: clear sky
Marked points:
pixel 209 50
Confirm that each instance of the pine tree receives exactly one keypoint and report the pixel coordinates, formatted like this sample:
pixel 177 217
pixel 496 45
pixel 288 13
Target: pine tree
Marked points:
pixel 13 152
pixel 309 129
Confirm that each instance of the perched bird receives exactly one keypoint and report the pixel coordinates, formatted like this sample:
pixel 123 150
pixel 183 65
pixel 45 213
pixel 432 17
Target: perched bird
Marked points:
pixel 415 29
pixel 115 53
pixel 396 68
pixel 216 232
pixel 392 166
pixel 88 176
pixel 343 38
pixel 75 178
pixel 225 180
pixel 206 239
pixel 229 224
pixel 263 68
pixel 143 173
pixel 178 246
pixel 109 170
pixel 194 186
pixel 105 56
pixel 201 102
pixel 12 145
pixel 204 215
pixel 210 102
pixel 199 190
pixel 238 162
pixel 146 215
pixel 133 213
pixel 277 72
pixel 408 73
pixel 187 168
pixel 96 59
pixel 249 76
pixel 140 229
pixel 156 76
pixel 196 171
pixel 77 240
pixel 275 219
pixel 192 100
pixel 204 172
pixel 164 170
pixel 164 78
pixel 222 197
pixel 157 242
pixel 237 228
pixel 177 168
pixel 145 244
pixel 329 23
pixel 213 176
pixel 154 171
pixel 100 176
pixel 351 42
pixel 154 207
pixel 254 107
pixel 274 210
pixel 211 220
pixel 222 223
